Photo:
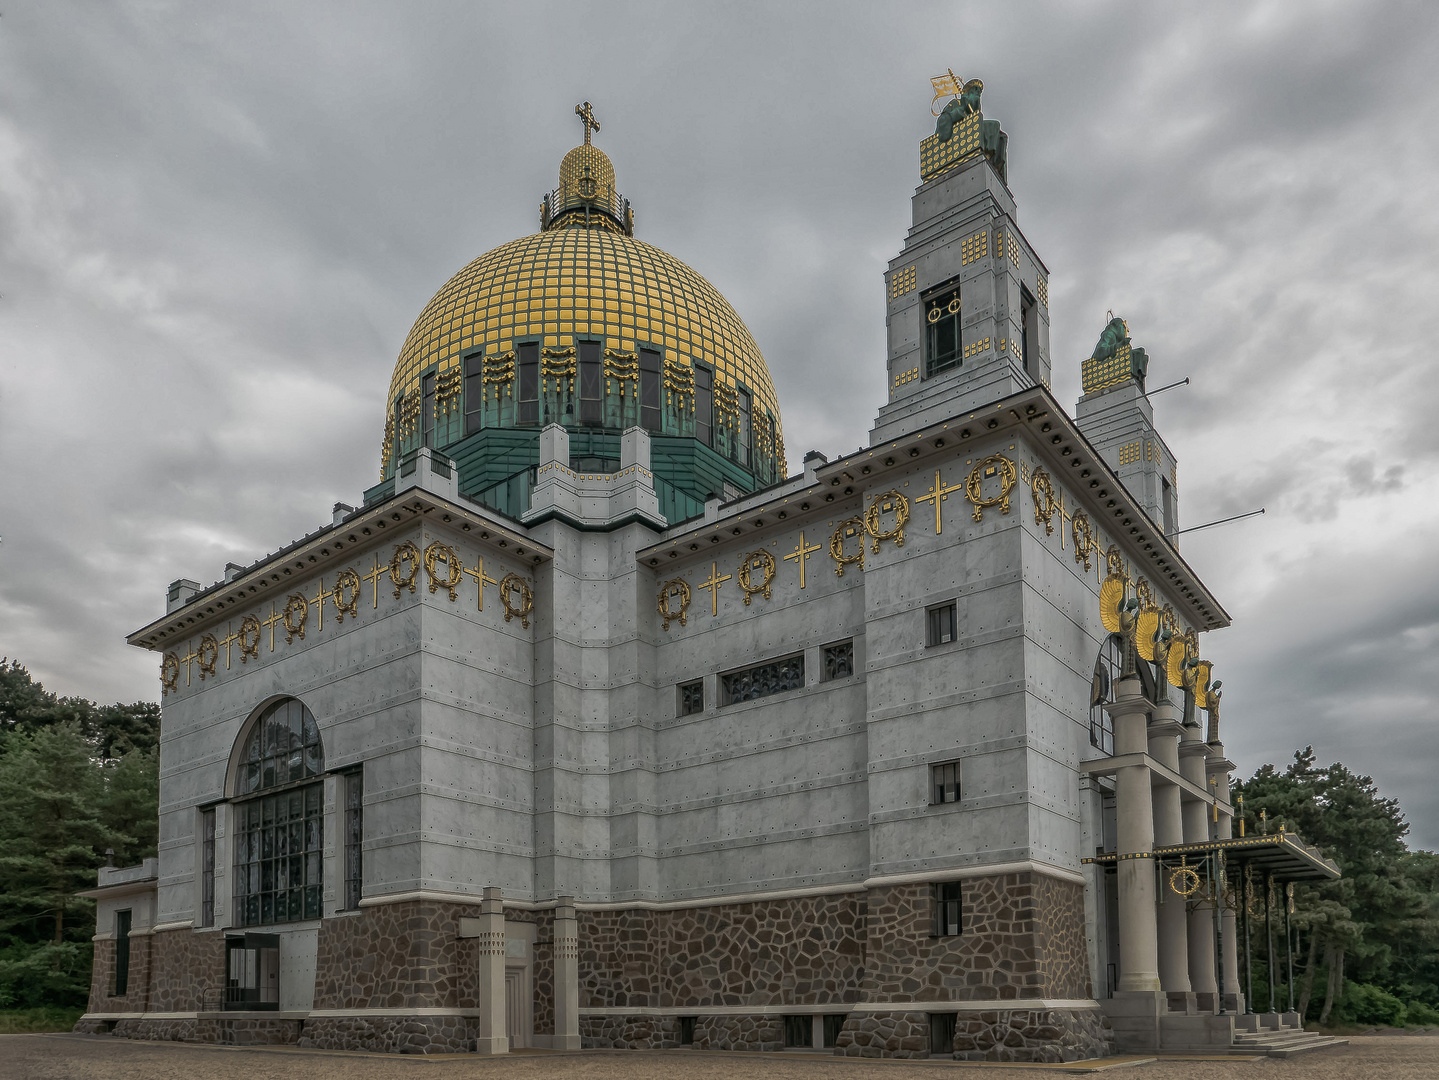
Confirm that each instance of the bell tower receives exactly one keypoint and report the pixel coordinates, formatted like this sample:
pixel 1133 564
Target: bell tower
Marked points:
pixel 968 299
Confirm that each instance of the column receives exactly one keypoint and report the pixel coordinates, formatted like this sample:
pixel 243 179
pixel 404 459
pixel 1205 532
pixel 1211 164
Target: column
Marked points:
pixel 1192 754
pixel 490 933
pixel 1171 917
pixel 1218 767
pixel 567 976
pixel 1134 813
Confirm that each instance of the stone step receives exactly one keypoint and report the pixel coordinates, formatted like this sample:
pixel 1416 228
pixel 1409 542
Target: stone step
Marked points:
pixel 1285 1043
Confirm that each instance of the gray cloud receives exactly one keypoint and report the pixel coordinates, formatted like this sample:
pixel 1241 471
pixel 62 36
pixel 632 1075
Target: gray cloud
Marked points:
pixel 217 224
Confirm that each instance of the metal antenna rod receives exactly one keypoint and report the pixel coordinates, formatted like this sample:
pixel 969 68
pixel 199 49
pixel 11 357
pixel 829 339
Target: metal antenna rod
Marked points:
pixel 1221 521
pixel 1168 386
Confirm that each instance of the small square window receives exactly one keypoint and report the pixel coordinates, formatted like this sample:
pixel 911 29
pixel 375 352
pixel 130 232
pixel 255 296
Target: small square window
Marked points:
pixel 692 697
pixel 947 909
pixel 799 1031
pixel 941 1033
pixel 839 660
pixel 941 629
pixel 687 1030
pixel 944 783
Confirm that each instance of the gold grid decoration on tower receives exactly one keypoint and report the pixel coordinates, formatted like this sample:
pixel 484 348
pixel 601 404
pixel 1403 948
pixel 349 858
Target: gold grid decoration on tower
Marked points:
pixel 901 282
pixel 1041 290
pixel 1102 374
pixel 975 247
pixel 937 157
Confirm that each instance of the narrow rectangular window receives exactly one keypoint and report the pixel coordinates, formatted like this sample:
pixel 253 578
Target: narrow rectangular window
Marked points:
pixel 474 393
pixel 1026 339
pixel 1166 491
pixel 799 1031
pixel 122 954
pixel 833 1025
pixel 354 838
pixel 942 337
pixel 687 1030
pixel 650 417
pixel 839 660
pixel 592 385
pixel 941 628
pixel 207 867
pixel 692 697
pixel 946 909
pixel 775 677
pixel 529 398
pixel 704 405
pixel 941 1033
pixel 427 410
pixel 944 783
pixel 746 428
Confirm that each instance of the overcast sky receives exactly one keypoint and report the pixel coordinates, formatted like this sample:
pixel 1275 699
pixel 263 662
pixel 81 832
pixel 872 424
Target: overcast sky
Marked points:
pixel 217 223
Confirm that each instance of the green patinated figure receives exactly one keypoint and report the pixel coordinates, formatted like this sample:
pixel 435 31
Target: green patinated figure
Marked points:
pixel 1115 336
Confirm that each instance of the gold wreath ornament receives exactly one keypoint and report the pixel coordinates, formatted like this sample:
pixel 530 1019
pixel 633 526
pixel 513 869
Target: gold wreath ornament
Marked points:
pixel 1083 533
pixel 1042 488
pixel 512 583
pixel 249 638
pixel 891 502
pixel 169 673
pixel 406 556
pixel 437 553
pixel 1184 879
pixel 347 595
pixel 675 588
pixel 207 654
pixel 847 530
pixel 297 613
pixel 762 561
pixel 992 466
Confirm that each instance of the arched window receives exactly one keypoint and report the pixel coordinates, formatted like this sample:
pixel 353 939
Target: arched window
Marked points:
pixel 279 825
pixel 1107 667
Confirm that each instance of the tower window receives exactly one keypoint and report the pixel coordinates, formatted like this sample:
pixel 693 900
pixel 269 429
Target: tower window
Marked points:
pixel 704 405
pixel 474 393
pixel 746 427
pixel 1170 507
pixel 207 867
pixel 1028 330
pixel 529 382
pixel 941 340
pixel 947 914
pixel 944 783
pixel 650 418
pixel 427 410
pixel 839 660
pixel 591 385
pixel 692 697
pixel 941 628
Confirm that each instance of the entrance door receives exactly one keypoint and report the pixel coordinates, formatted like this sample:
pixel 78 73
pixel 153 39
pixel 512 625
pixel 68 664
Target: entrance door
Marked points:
pixel 517 1008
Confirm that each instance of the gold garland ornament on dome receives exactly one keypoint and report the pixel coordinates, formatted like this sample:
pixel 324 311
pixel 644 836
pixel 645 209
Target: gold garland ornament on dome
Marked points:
pixel 249 638
pixel 499 371
pixel 437 553
pixel 623 367
pixel 297 613
pixel 208 654
pixel 1184 879
pixel 847 530
pixel 447 389
pixel 346 582
pixel 992 466
pixel 1042 488
pixel 675 588
pixel 1083 534
pixel 406 556
pixel 762 561
pixel 512 583
pixel 891 502
pixel 169 673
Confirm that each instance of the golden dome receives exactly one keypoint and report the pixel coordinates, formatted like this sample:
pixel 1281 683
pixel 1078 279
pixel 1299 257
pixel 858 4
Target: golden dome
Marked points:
pixel 587 161
pixel 569 284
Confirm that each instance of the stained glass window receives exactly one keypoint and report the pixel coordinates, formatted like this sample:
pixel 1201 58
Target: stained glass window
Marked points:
pixel 839 660
pixel 284 747
pixel 775 677
pixel 354 838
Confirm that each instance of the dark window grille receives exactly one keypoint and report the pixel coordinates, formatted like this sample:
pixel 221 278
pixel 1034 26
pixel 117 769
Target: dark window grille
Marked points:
pixel 284 747
pixel 592 385
pixel 833 1025
pixel 529 399
pixel 122 954
pixel 746 428
pixel 474 393
pixel 947 909
pixel 839 660
pixel 941 629
pixel 799 1031
pixel 427 410
pixel 941 1033
pixel 775 677
pixel 279 868
pixel 942 339
pixel 207 867
pixel 1107 667
pixel 650 417
pixel 354 838
pixel 692 697
pixel 687 1030
pixel 944 783
pixel 704 405
pixel 1026 316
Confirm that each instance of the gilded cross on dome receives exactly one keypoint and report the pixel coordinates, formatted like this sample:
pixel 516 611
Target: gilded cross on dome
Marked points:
pixel 587 117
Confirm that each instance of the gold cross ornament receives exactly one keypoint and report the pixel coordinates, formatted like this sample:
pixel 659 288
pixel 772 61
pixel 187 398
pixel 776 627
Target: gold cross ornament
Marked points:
pixel 713 585
pixel 319 601
pixel 938 493
pixel 478 573
pixel 373 577
pixel 801 555
pixel 228 641
pixel 587 117
pixel 270 622
pixel 189 661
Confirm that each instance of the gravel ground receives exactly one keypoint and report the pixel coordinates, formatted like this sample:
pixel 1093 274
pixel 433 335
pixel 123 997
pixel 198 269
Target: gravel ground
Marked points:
pixel 90 1057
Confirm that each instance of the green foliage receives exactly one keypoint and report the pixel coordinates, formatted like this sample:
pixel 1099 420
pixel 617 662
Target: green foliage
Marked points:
pixel 1366 1004
pixel 27 1021
pixel 75 780
pixel 1421 1015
